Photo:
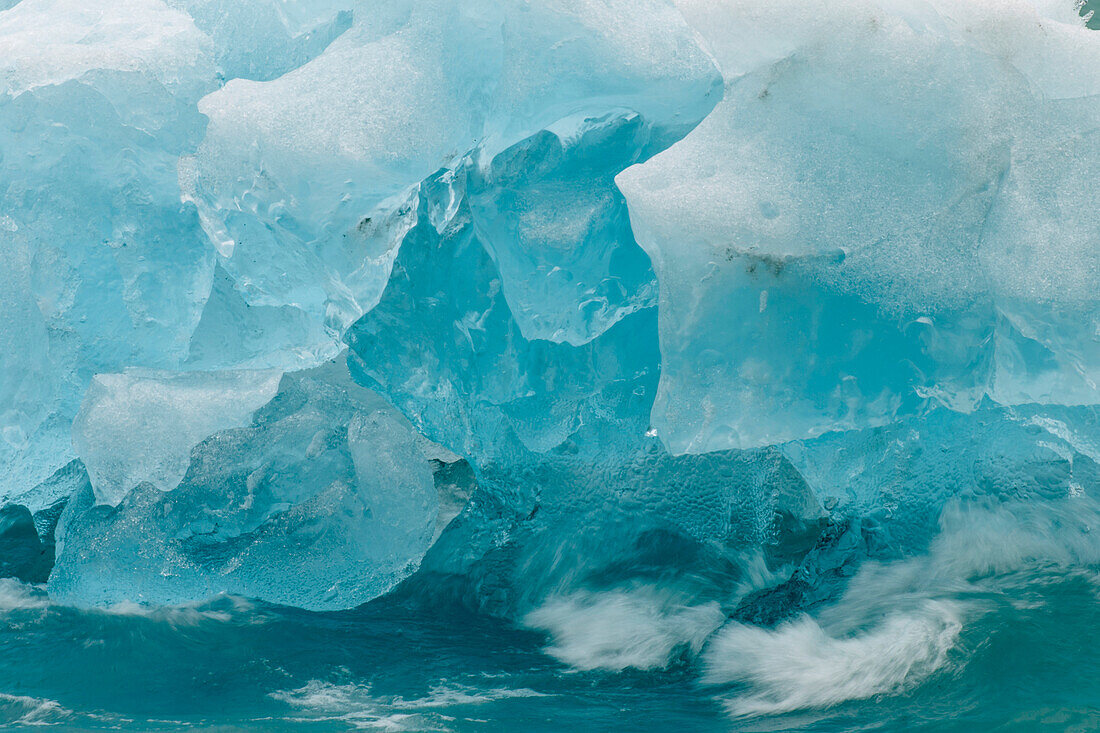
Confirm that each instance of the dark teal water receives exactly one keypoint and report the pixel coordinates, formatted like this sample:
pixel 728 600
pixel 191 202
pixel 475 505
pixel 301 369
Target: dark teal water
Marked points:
pixel 1024 659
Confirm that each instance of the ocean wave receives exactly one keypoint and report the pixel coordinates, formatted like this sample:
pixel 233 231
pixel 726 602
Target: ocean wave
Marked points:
pixel 16 596
pixel 26 711
pixel 642 628
pixel 801 665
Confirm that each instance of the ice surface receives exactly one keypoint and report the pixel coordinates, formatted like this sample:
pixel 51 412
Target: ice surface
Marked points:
pixel 28 390
pixel 231 333
pixel 555 224
pixel 50 42
pixel 264 39
pixel 459 366
pixel 22 554
pixel 837 249
pixel 889 489
pixel 105 267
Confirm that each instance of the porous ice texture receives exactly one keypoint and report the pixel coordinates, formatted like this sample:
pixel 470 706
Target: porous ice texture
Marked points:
pixel 323 501
pixel 900 476
pixel 264 39
pixel 889 489
pixel 882 215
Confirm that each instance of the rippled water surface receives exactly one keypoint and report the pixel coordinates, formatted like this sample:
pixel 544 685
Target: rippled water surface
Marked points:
pixel 1011 651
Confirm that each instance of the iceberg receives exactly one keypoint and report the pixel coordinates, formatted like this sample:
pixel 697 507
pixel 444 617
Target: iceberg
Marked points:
pixel 675 337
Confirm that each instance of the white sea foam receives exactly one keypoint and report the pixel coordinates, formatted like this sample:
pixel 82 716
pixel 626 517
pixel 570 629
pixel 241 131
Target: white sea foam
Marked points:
pixel 642 628
pixel 359 706
pixel 982 549
pixel 22 710
pixel 897 622
pixel 801 665
pixel 18 596
pixel 222 608
pixel 1003 538
pixel 15 596
pixel 352 704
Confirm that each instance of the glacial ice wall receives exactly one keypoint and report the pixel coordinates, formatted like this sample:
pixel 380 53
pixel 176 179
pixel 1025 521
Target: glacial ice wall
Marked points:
pixel 516 303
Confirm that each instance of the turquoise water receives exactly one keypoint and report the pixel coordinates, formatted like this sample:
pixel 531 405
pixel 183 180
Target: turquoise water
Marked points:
pixel 1024 660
